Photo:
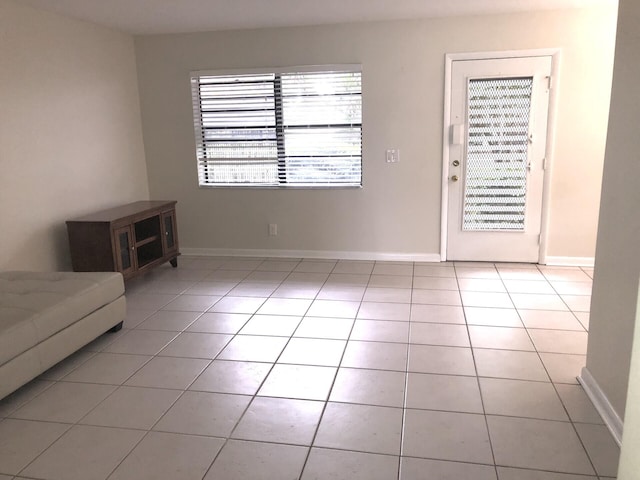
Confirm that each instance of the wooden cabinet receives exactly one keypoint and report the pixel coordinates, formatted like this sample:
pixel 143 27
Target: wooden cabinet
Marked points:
pixel 130 239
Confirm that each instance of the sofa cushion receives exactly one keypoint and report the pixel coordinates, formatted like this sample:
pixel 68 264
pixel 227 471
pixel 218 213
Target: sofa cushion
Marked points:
pixel 37 305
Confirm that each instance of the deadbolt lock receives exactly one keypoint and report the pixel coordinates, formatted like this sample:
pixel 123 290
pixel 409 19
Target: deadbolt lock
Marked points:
pixel 454 178
pixel 456 163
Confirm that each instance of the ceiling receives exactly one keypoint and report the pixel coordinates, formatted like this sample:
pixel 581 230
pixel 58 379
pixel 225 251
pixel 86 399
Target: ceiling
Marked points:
pixel 176 16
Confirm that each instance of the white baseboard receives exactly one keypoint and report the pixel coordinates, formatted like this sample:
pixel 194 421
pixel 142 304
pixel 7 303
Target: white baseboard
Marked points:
pixel 602 404
pixel 346 255
pixel 570 261
pixel 320 254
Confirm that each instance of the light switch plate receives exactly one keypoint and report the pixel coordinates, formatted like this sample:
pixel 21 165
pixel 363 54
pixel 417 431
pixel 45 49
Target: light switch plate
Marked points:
pixel 393 155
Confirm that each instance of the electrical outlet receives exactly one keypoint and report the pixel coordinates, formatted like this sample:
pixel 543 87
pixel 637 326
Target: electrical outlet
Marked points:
pixel 393 155
pixel 273 229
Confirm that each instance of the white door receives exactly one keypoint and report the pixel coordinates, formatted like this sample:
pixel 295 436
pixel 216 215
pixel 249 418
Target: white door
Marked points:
pixel 498 137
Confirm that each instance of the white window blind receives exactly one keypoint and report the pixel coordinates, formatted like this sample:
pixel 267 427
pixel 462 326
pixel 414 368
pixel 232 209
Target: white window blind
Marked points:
pixel 282 128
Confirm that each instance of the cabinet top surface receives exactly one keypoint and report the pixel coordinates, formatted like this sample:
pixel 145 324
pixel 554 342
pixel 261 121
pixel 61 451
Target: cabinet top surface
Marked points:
pixel 131 209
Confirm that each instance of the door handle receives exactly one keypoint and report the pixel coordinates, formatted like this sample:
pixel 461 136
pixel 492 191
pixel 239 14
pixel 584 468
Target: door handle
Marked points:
pixel 454 178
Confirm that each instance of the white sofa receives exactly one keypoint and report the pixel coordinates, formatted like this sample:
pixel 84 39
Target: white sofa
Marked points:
pixel 46 316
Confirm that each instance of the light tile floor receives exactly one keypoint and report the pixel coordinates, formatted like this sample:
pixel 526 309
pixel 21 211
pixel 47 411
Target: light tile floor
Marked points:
pixel 233 368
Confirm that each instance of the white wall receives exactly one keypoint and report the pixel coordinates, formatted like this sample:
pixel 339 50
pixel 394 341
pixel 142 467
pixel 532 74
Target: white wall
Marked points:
pixel 70 132
pixel 398 210
pixel 629 468
pixel 615 286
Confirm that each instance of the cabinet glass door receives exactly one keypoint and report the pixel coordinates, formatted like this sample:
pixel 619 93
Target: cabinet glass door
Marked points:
pixel 124 249
pixel 170 234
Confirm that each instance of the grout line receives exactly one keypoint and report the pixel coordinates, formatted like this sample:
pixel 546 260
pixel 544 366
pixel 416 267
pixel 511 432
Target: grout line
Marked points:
pixel 228 437
pixel 406 381
pixel 326 402
pixel 475 366
pixel 110 394
pixel 205 277
pixel 555 388
pixel 559 398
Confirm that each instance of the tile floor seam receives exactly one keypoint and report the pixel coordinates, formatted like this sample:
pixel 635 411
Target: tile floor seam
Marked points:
pixel 559 397
pixel 379 286
pixel 557 329
pixel 118 386
pixel 594 477
pixel 19 406
pixel 452 461
pixel 127 455
pixel 273 364
pixel 475 366
pixel 536 348
pixel 531 339
pixel 186 389
pixel 406 382
pixel 582 443
pixel 69 427
pixel 183 391
pixel 326 403
pixel 77 423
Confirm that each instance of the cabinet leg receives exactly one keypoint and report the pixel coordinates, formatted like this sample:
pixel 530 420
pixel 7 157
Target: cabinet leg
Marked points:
pixel 174 262
pixel 116 328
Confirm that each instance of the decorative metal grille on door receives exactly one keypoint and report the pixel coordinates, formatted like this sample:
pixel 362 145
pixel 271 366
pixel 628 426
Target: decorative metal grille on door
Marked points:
pixel 497 147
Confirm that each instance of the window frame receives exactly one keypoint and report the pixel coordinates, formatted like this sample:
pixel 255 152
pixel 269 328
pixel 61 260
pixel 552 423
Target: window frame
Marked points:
pixel 198 127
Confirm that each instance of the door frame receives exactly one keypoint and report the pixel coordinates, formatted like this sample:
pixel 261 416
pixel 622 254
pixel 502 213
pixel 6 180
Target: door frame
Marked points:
pixel 555 54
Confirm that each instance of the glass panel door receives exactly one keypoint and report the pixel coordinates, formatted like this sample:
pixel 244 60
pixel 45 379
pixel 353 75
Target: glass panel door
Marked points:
pixel 168 227
pixel 170 233
pixel 124 250
pixel 497 147
pixel 496 158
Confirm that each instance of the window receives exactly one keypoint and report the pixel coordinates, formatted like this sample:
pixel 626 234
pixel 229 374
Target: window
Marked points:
pixel 292 128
